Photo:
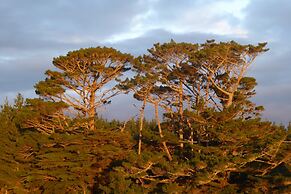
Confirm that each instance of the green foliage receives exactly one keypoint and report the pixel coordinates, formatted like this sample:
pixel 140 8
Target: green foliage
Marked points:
pixel 33 161
pixel 10 169
pixel 44 116
pixel 70 161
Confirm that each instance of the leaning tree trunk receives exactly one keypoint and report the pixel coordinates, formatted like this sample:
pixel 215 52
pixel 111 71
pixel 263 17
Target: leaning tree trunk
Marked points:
pixel 181 132
pixel 161 132
pixel 141 118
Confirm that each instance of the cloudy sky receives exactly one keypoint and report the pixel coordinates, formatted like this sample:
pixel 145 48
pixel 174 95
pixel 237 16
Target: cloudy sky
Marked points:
pixel 32 32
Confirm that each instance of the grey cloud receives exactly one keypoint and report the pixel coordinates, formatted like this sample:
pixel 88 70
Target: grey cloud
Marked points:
pixel 272 68
pixel 268 20
pixel 275 99
pixel 21 73
pixel 42 24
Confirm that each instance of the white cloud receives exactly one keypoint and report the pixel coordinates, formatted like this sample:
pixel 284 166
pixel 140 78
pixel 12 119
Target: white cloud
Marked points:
pixel 215 18
pixel 136 30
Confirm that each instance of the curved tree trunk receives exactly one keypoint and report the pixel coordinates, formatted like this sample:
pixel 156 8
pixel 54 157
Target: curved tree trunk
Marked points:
pixel 160 131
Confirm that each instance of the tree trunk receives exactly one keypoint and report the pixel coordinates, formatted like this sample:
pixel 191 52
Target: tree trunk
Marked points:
pixel 191 138
pixel 92 112
pixel 161 132
pixel 141 118
pixel 181 132
pixel 229 100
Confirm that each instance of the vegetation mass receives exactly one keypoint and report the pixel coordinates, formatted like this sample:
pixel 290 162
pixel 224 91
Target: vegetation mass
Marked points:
pixel 210 139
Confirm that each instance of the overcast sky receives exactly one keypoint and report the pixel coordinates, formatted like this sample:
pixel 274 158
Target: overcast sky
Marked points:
pixel 32 32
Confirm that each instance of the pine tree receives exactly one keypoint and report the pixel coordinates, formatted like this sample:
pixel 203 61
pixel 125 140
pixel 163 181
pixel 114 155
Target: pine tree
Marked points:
pixel 85 80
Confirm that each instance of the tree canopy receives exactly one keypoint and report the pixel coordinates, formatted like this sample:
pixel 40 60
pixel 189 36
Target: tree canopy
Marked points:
pixel 85 79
